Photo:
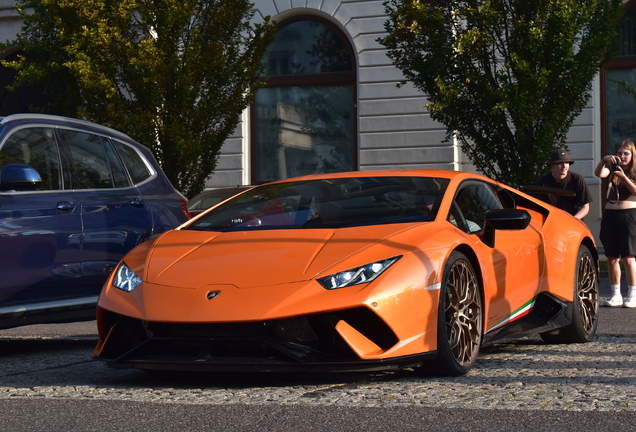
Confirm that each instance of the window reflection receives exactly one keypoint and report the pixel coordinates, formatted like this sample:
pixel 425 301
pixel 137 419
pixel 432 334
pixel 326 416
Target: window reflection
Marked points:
pixel 304 130
pixel 307 47
pixel 627 28
pixel 621 107
pixel 305 116
pixel 620 75
pixel 37 148
pixel 474 202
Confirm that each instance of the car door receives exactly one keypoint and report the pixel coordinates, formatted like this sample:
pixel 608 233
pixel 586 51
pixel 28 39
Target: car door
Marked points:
pixel 115 216
pixel 514 265
pixel 40 230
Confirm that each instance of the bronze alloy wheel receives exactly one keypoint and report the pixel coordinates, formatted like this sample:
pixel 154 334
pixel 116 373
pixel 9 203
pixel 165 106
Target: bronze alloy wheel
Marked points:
pixel 460 318
pixel 463 313
pixel 587 292
pixel 584 306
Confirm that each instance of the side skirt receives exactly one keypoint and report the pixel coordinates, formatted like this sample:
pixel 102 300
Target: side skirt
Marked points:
pixel 547 313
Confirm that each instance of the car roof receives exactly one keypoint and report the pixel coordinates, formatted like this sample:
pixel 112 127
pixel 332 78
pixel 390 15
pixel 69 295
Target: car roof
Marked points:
pixel 442 173
pixel 65 121
pixel 221 191
pixel 226 188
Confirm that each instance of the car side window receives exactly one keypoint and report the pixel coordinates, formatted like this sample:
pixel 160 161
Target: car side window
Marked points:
pixel 136 166
pixel 455 217
pixel 120 176
pixel 37 148
pixel 89 158
pixel 474 201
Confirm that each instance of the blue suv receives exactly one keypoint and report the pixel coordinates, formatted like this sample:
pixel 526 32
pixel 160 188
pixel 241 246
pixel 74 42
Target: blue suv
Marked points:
pixel 74 198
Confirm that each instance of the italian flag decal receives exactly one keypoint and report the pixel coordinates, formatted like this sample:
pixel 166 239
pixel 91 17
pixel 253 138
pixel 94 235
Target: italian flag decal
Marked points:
pixel 522 311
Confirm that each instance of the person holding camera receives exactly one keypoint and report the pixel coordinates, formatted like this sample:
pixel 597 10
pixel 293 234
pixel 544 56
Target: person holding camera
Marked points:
pixel 562 178
pixel 618 225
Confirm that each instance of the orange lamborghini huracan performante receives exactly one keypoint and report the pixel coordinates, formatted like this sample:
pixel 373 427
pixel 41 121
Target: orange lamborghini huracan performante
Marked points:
pixel 356 271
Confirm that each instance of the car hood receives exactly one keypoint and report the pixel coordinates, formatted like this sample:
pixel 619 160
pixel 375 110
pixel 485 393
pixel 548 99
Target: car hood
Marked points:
pixel 246 259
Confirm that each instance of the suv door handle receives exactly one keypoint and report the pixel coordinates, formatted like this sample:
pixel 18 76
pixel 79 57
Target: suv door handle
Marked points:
pixel 137 202
pixel 65 206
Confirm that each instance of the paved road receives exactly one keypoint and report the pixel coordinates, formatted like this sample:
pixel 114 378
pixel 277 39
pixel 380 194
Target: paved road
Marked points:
pixel 48 381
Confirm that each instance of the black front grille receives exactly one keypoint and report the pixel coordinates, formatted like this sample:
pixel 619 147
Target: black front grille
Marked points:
pixel 299 340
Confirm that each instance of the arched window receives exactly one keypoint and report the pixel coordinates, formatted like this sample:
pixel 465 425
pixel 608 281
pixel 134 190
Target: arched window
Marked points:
pixel 304 119
pixel 618 107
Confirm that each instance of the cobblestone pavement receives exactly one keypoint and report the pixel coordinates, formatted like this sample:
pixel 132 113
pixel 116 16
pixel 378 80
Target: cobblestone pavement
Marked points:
pixel 526 375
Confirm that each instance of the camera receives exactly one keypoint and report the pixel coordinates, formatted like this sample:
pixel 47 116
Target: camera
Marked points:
pixel 614 167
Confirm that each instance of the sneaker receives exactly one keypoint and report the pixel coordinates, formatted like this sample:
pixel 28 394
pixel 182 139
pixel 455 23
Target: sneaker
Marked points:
pixel 615 301
pixel 630 301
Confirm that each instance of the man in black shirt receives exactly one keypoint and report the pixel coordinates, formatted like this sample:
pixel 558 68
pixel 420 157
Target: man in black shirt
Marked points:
pixel 562 178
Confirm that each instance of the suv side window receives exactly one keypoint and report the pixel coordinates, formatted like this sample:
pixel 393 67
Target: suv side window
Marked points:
pixel 475 201
pixel 120 176
pixel 136 166
pixel 37 148
pixel 89 158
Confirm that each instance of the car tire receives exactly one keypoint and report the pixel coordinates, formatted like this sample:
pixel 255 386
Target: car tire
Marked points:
pixel 584 312
pixel 460 318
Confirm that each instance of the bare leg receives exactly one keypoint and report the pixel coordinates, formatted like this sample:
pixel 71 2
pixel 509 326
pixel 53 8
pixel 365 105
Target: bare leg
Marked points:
pixel 630 270
pixel 614 270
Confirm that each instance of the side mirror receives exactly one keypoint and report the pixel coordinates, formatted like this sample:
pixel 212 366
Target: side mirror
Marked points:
pixel 19 177
pixel 504 219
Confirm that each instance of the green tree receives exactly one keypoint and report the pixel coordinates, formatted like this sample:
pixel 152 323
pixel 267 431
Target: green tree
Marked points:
pixel 506 77
pixel 173 74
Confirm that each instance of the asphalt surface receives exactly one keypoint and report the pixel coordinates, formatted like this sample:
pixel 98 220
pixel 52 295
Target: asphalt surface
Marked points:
pixel 48 381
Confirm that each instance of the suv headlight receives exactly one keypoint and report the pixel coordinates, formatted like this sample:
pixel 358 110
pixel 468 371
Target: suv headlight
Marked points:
pixel 125 278
pixel 358 275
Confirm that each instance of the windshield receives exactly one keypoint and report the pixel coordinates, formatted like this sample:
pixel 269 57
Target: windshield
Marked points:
pixel 211 198
pixel 328 203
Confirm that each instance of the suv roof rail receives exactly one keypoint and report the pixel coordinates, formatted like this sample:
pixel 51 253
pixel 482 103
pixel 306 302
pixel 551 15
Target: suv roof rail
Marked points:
pixel 34 116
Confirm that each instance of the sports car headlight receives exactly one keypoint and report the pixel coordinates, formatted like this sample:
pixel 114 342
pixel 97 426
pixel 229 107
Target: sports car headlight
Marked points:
pixel 355 276
pixel 125 278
